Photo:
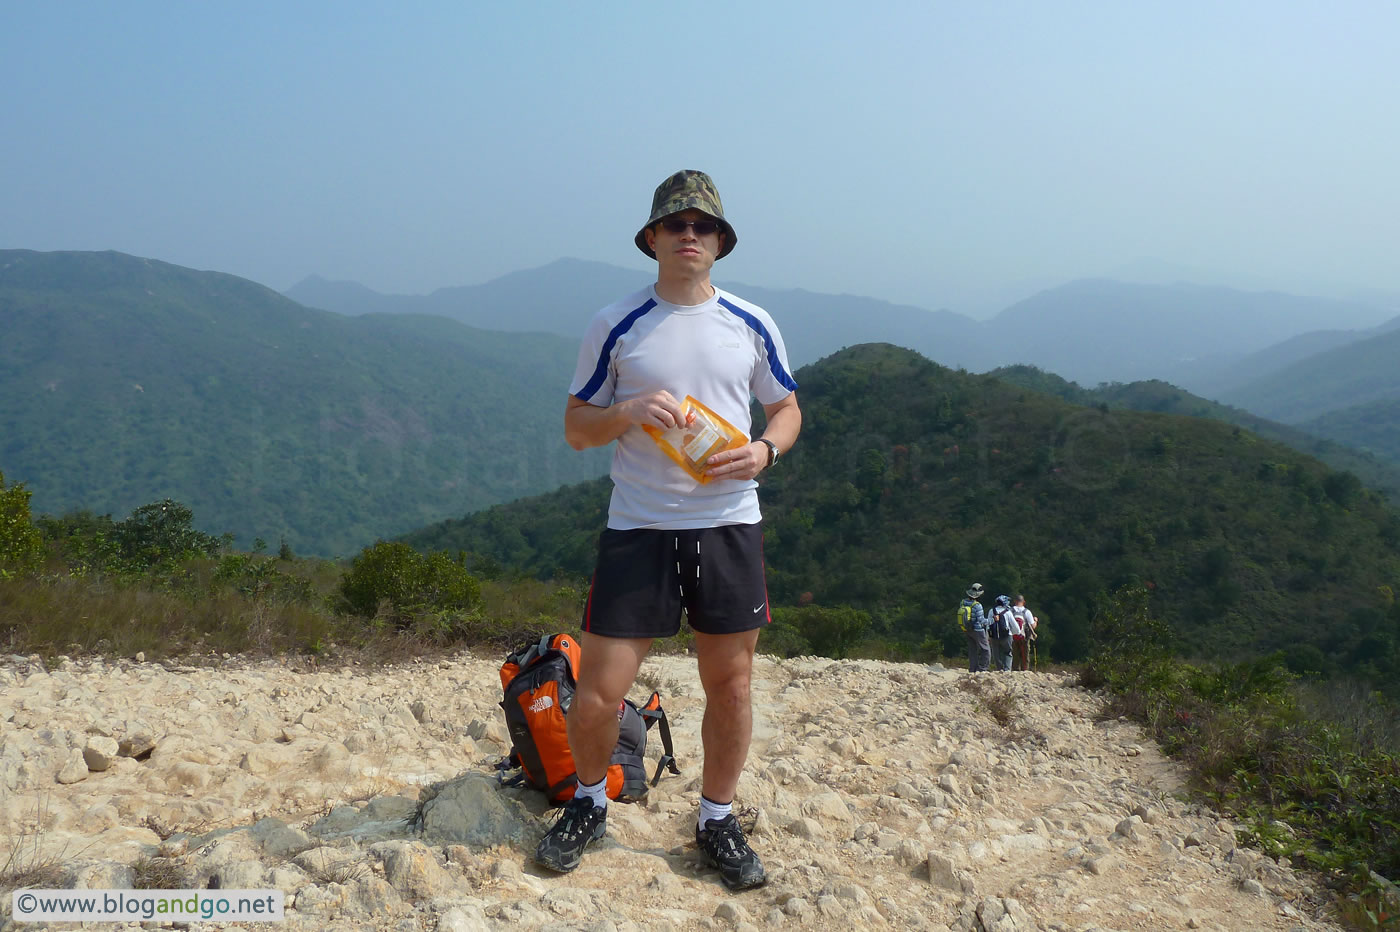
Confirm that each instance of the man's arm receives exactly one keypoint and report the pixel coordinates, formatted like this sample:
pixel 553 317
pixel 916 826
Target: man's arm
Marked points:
pixel 784 424
pixel 588 425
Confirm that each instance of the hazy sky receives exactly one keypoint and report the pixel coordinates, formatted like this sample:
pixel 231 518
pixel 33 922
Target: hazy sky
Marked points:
pixel 953 155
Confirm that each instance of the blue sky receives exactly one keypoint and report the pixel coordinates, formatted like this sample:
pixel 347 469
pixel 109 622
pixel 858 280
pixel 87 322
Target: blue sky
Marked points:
pixel 945 155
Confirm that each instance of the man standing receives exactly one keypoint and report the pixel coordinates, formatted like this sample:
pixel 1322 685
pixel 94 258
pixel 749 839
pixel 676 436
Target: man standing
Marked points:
pixel 1023 632
pixel 974 625
pixel 673 543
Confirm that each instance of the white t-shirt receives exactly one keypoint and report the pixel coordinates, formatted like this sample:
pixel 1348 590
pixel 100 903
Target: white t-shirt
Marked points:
pixel 722 353
pixel 1024 621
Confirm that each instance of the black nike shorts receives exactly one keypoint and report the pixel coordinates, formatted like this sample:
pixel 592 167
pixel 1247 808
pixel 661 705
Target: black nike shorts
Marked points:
pixel 645 578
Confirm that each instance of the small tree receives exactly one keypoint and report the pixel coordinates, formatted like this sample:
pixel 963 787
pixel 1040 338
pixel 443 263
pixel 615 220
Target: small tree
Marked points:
pixel 21 546
pixel 408 581
pixel 162 531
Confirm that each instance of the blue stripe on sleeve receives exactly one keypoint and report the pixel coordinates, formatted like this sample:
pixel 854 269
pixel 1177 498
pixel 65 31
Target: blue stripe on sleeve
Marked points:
pixel 774 364
pixel 601 373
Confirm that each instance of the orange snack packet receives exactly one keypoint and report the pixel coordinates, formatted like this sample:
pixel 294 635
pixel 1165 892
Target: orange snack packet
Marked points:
pixel 703 434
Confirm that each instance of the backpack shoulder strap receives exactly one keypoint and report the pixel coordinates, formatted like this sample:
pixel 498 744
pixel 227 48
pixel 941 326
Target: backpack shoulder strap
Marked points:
pixel 653 714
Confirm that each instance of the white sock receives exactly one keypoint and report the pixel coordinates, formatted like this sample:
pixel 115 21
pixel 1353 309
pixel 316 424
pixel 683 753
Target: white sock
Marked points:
pixel 598 792
pixel 709 809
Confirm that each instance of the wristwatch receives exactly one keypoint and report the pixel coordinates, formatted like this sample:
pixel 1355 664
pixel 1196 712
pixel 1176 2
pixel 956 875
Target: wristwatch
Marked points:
pixel 773 453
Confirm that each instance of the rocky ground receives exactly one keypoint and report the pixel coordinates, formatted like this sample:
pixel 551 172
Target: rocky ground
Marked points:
pixel 884 796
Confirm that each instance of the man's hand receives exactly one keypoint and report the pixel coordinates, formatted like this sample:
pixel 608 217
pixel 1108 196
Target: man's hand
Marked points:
pixel 587 425
pixel 659 409
pixel 744 463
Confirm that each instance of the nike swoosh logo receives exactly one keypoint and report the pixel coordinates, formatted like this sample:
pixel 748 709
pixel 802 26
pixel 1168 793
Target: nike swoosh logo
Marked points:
pixel 759 609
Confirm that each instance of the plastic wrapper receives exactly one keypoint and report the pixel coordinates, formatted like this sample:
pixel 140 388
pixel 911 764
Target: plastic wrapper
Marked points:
pixel 703 434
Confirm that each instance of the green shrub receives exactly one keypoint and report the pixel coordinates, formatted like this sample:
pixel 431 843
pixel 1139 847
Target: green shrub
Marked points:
pixel 21 546
pixel 83 541
pixel 781 639
pixel 409 582
pixel 828 631
pixel 259 578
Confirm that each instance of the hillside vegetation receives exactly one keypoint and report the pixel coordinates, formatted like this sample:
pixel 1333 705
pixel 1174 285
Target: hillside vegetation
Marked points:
pixel 1364 442
pixel 1373 428
pixel 912 480
pixel 125 381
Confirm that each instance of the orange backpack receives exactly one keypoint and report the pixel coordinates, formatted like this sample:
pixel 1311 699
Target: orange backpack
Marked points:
pixel 539 682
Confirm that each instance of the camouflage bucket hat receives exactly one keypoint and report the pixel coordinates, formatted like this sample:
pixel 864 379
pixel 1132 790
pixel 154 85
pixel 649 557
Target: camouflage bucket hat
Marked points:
pixel 682 191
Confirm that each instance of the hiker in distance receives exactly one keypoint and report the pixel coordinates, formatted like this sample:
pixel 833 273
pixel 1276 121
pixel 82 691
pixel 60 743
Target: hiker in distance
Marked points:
pixel 974 624
pixel 1000 631
pixel 672 542
pixel 1023 625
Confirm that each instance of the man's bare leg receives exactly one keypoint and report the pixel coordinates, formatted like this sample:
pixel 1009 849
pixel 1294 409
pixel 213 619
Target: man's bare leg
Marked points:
pixel 607 669
pixel 726 672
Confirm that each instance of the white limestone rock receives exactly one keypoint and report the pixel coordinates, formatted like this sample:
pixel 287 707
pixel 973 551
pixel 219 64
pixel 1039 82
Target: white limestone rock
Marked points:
pixel 99 753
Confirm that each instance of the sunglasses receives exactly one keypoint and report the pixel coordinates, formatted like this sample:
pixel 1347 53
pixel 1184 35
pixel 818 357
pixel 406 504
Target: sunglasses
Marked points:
pixel 701 227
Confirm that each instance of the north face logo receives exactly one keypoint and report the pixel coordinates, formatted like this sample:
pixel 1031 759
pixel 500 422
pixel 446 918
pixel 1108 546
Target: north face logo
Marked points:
pixel 542 703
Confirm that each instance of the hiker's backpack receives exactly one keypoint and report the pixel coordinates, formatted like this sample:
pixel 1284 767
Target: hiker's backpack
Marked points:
pixel 539 681
pixel 1000 627
pixel 965 617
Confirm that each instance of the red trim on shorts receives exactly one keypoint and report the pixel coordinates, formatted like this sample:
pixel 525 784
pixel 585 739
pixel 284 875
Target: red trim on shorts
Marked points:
pixel 588 606
pixel 763 562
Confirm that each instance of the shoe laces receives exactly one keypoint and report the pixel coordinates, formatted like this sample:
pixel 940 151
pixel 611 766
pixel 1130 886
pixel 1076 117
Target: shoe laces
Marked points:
pixel 726 838
pixel 575 820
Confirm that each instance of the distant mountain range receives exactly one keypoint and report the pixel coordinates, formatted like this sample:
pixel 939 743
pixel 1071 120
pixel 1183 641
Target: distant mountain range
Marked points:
pixel 561 297
pixel 124 381
pixel 1211 340
pixel 1361 372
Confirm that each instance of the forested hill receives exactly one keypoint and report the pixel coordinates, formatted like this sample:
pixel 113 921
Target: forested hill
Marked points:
pixel 912 480
pixel 1369 449
pixel 125 381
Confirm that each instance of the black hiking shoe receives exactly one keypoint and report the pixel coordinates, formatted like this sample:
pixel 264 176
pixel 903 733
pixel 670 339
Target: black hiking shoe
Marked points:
pixel 724 845
pixel 579 825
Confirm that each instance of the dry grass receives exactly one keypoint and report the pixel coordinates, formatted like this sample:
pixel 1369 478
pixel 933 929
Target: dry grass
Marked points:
pixel 27 864
pixel 205 608
pixel 159 874
pixel 68 615
pixel 649 679
pixel 326 870
pixel 996 701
